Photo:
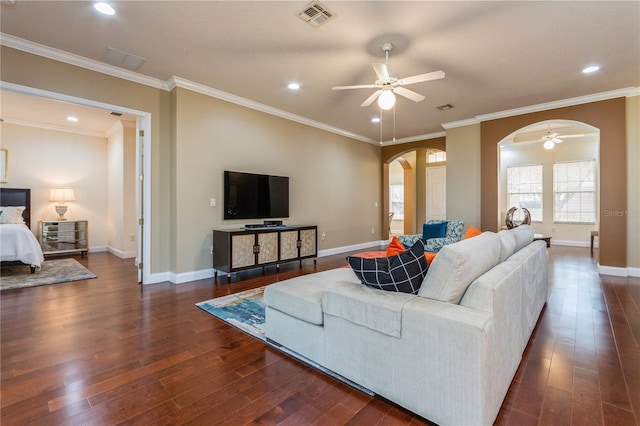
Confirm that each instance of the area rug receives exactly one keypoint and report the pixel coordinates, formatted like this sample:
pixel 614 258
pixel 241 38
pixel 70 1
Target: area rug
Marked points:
pixel 245 310
pixel 52 272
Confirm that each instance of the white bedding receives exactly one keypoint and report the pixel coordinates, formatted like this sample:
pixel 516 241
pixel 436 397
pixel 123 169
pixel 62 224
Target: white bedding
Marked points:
pixel 17 242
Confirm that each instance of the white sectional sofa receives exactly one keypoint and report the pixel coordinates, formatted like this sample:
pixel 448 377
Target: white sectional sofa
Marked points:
pixel 448 353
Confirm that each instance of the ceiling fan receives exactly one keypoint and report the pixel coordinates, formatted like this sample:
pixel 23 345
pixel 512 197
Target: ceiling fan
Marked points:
pixel 388 84
pixel 550 140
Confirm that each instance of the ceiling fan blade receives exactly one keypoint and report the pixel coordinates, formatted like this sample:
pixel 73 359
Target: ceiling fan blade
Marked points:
pixel 371 98
pixel 415 97
pixel 435 75
pixel 381 71
pixel 359 86
pixel 556 140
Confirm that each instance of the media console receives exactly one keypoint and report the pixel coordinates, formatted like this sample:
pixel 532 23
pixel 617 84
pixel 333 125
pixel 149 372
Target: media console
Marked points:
pixel 240 249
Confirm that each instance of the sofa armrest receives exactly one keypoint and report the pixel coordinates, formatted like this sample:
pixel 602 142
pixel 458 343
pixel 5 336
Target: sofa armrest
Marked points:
pixel 444 353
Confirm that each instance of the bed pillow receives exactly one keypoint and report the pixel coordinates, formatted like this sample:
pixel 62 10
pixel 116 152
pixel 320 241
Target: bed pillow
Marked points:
pixel 403 272
pixel 11 214
pixel 434 230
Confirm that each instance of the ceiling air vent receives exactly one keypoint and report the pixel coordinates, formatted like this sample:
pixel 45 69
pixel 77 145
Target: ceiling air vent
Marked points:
pixel 444 107
pixel 316 14
pixel 122 59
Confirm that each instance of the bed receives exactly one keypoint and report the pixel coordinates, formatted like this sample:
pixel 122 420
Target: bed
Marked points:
pixel 18 244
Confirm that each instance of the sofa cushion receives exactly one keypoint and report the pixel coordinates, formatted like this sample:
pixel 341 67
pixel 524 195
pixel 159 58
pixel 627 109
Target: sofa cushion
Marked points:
pixel 458 264
pixel 434 230
pixel 523 235
pixel 403 272
pixel 301 297
pixel 375 309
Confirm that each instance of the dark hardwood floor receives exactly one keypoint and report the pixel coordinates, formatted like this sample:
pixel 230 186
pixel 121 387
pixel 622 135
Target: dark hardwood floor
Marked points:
pixel 108 351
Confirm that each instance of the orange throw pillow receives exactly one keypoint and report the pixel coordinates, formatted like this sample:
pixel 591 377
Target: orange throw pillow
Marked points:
pixel 430 256
pixel 472 232
pixel 395 247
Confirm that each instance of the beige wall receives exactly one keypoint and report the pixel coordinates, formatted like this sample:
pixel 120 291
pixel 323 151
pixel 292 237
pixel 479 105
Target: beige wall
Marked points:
pixel 334 181
pixel 570 150
pixel 463 174
pixel 121 192
pixel 633 201
pixel 41 159
pixel 41 73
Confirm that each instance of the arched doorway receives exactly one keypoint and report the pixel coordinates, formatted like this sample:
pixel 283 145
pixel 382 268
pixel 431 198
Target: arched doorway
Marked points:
pixel 551 168
pixel 414 181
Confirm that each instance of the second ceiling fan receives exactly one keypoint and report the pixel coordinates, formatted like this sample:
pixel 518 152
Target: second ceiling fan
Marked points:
pixel 389 83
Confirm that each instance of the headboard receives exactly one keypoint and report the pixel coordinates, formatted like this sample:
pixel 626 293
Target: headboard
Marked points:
pixel 17 197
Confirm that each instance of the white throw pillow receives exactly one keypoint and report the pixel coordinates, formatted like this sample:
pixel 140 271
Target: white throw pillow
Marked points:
pixel 457 265
pixel 507 244
pixel 11 215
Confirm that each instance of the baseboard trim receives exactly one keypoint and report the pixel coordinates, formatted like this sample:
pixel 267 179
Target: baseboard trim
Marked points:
pixel 362 246
pixel 615 271
pixel 121 254
pixel 186 277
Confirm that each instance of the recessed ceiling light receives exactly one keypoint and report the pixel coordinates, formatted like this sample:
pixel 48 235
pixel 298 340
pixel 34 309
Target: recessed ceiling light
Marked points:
pixel 72 118
pixel 375 120
pixel 104 8
pixel 590 69
pixel 293 86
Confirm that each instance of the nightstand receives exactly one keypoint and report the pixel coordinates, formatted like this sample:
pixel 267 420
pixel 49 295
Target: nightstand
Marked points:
pixel 64 236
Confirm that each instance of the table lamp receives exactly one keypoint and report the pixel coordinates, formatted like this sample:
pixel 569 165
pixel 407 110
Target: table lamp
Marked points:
pixel 61 196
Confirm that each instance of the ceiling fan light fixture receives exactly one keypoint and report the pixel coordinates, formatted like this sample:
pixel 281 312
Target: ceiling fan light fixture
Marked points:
pixel 104 8
pixel 549 144
pixel 386 100
pixel 591 69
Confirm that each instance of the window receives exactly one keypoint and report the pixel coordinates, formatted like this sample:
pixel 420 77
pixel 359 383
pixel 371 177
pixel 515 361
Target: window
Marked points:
pixel 524 189
pixel 396 194
pixel 574 191
pixel 436 156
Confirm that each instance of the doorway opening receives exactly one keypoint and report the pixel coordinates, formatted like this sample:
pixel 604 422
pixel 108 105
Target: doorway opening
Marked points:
pixel 551 168
pixel 142 166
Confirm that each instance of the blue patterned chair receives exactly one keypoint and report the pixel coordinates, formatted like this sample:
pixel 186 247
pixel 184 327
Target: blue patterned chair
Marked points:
pixel 453 234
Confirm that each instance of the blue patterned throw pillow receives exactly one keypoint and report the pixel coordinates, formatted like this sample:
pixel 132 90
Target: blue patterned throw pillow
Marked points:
pixel 403 272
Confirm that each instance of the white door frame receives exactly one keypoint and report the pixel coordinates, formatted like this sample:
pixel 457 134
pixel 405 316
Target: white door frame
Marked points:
pixel 144 123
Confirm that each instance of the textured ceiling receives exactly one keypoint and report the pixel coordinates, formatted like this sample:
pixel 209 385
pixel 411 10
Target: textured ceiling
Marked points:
pixel 497 56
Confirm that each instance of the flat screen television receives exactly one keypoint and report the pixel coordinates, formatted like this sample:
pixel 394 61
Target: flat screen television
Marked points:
pixel 255 196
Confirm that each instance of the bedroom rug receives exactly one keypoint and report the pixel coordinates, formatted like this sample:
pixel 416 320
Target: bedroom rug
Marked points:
pixel 245 311
pixel 52 272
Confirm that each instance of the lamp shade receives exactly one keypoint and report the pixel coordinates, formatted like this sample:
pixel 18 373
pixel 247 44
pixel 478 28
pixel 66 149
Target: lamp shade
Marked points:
pixel 387 99
pixel 61 194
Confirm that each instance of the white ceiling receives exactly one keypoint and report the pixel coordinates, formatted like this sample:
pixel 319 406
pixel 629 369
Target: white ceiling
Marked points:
pixel 497 56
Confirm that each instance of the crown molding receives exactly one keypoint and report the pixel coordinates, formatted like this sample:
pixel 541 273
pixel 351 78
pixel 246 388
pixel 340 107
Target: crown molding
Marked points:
pixel 80 61
pixel 602 96
pixel 225 96
pixel 54 127
pixel 173 82
pixel 415 138
pixel 460 123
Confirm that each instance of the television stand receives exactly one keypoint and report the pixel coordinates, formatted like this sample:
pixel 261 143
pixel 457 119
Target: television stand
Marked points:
pixel 241 249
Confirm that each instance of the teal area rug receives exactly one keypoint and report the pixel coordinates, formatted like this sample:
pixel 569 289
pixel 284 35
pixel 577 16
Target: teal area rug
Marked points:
pixel 245 310
pixel 52 272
